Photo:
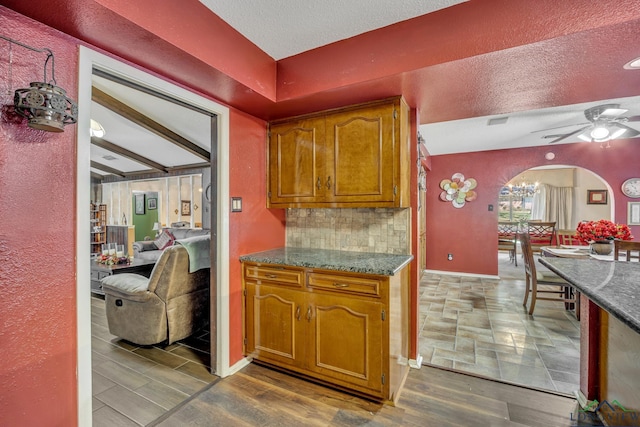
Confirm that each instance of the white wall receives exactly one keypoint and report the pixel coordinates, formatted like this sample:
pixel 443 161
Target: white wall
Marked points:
pixel 586 180
pixel 581 180
pixel 171 192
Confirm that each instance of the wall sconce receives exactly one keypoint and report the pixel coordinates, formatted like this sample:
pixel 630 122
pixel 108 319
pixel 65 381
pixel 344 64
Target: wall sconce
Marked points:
pixel 44 104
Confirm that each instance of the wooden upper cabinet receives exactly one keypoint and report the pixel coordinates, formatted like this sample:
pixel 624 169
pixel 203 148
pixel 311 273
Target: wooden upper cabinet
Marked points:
pixel 361 144
pixel 352 157
pixel 296 161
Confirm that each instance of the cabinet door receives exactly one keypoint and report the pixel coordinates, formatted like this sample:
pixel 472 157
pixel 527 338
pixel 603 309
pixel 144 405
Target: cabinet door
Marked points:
pixel 345 340
pixel 273 326
pixel 297 161
pixel 361 145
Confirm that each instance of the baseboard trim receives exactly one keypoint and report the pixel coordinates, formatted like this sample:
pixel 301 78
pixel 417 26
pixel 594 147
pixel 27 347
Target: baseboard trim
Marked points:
pixel 234 368
pixel 416 363
pixel 582 400
pixel 457 273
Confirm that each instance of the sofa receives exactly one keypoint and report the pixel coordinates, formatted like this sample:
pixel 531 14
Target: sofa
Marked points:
pixel 148 249
pixel 166 307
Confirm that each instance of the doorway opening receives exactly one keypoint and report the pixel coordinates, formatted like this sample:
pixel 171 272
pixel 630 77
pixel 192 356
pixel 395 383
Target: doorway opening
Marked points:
pixel 478 325
pixel 91 63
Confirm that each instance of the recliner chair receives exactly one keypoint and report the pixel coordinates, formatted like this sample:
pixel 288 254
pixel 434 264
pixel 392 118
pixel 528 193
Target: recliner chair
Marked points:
pixel 166 307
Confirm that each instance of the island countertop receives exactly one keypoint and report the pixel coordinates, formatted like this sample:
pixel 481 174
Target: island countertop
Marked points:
pixel 356 262
pixel 612 285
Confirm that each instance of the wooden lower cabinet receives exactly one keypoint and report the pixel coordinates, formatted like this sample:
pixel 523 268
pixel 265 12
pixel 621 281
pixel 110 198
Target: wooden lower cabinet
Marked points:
pixel 344 341
pixel 347 330
pixel 273 327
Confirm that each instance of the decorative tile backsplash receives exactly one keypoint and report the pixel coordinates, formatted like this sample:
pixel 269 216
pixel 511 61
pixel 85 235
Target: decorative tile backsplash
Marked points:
pixel 361 230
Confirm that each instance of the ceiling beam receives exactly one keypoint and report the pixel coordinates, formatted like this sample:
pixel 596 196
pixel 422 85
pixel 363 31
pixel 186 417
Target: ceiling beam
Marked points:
pixel 109 146
pixel 97 176
pixel 191 166
pixel 149 124
pixel 108 169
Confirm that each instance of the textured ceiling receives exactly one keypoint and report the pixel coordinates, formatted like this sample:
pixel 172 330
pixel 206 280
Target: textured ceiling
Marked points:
pixel 506 81
pixel 283 28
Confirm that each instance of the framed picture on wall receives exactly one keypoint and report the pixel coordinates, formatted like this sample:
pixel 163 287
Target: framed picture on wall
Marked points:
pixel 152 203
pixel 596 197
pixel 139 208
pixel 186 207
pixel 633 213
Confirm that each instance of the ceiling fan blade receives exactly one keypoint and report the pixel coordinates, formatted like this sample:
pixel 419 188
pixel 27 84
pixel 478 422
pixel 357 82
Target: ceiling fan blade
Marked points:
pixel 560 127
pixel 568 135
pixel 630 132
pixel 611 113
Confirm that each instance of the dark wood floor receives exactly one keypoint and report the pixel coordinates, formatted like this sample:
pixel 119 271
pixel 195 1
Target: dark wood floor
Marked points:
pixel 134 385
pixel 171 386
pixel 259 396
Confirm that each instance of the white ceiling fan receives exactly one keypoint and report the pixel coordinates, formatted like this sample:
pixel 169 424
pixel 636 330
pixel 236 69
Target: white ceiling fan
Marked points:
pixel 605 123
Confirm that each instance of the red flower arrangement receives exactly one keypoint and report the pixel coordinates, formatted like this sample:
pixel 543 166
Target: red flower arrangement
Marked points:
pixel 602 230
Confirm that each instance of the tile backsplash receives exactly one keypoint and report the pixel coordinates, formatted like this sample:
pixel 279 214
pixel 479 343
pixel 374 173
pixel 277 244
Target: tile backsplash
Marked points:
pixel 361 230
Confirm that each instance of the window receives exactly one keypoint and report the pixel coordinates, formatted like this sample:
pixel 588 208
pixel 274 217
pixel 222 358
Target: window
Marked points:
pixel 515 203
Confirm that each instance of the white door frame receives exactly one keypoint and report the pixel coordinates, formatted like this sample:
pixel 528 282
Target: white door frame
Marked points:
pixel 88 60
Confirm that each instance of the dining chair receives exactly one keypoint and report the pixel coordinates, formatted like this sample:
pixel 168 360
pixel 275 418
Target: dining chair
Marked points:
pixel 628 247
pixel 568 237
pixel 507 241
pixel 541 234
pixel 554 286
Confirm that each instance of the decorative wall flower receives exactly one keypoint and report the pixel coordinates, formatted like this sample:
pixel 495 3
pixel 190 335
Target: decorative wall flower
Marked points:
pixel 458 190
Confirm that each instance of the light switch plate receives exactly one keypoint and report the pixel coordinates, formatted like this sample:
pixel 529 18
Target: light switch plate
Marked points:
pixel 236 204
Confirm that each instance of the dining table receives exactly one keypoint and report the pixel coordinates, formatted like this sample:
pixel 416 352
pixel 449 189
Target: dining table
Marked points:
pixel 575 252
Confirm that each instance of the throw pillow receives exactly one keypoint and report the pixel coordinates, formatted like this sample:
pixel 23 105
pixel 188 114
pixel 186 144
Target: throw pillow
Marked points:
pixel 164 240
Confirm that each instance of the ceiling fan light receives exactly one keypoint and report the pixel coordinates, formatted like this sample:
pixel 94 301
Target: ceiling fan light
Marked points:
pixel 96 129
pixel 634 64
pixel 600 133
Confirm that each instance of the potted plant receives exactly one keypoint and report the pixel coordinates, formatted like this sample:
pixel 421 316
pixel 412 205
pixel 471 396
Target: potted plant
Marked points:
pixel 601 234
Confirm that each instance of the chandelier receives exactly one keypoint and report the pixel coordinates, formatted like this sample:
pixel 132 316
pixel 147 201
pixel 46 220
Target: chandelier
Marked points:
pixel 44 104
pixel 523 189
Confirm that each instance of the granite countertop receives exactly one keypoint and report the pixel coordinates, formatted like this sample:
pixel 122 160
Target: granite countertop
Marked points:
pixel 612 285
pixel 357 262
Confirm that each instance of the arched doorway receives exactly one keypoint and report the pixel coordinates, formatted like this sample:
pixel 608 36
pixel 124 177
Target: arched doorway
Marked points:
pixel 518 197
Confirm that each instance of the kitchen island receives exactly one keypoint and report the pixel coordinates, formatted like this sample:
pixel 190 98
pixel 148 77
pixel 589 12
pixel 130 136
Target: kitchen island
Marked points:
pixel 609 328
pixel 338 317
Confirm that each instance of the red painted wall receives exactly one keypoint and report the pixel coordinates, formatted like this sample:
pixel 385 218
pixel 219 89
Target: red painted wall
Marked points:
pixel 255 228
pixel 37 242
pixel 469 233
pixel 37 236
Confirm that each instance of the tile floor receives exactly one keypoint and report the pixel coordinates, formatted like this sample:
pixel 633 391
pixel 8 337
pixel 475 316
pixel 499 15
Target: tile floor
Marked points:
pixel 479 326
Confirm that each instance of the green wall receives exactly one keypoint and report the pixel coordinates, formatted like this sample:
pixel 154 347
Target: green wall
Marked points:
pixel 144 221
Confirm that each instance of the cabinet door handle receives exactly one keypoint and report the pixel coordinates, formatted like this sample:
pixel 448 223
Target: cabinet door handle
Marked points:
pixel 318 184
pixel 298 313
pixel 272 276
pixel 341 285
pixel 309 314
pixel 329 183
